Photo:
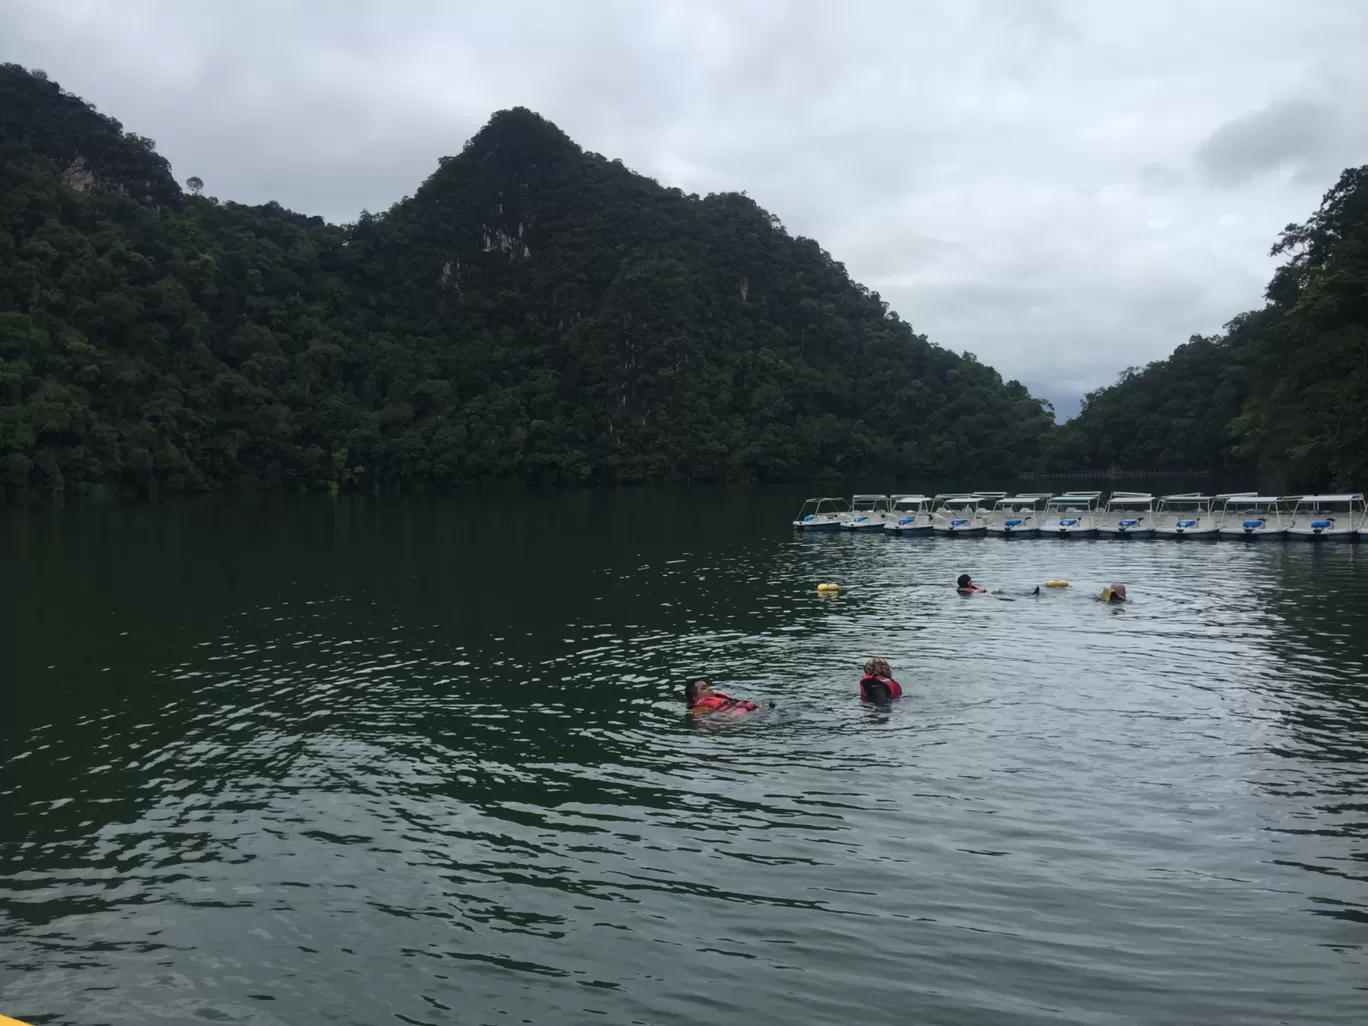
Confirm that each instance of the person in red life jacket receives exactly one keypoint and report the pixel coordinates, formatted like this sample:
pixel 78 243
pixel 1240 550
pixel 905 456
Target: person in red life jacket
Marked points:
pixel 966 586
pixel 703 699
pixel 877 685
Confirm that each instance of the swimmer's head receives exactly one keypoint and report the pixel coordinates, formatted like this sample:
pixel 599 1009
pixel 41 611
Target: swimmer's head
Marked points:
pixel 1118 593
pixel 965 581
pixel 695 690
pixel 877 667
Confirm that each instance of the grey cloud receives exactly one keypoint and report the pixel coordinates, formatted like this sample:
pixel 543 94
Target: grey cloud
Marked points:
pixel 1157 178
pixel 1296 131
pixel 1016 179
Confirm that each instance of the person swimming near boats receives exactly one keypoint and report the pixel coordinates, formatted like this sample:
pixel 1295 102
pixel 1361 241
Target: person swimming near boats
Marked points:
pixel 703 700
pixel 966 586
pixel 877 685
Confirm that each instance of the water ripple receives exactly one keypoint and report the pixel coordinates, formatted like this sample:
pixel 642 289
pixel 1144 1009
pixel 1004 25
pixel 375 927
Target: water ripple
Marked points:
pixel 362 795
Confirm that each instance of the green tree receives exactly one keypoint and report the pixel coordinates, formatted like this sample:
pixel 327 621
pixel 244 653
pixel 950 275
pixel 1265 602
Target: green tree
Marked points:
pixel 533 312
pixel 1286 386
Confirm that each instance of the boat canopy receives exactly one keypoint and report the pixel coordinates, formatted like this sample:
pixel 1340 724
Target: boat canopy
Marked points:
pixel 1080 495
pixel 1130 499
pixel 1196 499
pixel 1030 499
pixel 1250 499
pixel 962 500
pixel 989 495
pixel 869 502
pixel 951 495
pixel 1308 499
pixel 827 498
pixel 1075 499
pixel 909 499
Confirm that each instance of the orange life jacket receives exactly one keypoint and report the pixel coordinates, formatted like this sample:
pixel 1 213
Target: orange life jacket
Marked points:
pixel 718 702
pixel 868 694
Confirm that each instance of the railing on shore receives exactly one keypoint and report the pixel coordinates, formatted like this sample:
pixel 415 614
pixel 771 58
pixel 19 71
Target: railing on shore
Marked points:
pixel 1113 474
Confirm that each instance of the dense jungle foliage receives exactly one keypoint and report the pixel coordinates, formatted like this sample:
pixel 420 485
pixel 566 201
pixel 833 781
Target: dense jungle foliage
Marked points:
pixel 541 314
pixel 1284 389
pixel 534 312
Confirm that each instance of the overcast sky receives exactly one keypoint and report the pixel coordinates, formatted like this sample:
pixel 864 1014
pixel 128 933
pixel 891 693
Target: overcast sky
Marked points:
pixel 1063 188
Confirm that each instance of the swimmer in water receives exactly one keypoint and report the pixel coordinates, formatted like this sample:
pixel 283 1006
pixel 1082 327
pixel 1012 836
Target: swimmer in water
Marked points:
pixel 966 586
pixel 877 685
pixel 1114 593
pixel 702 699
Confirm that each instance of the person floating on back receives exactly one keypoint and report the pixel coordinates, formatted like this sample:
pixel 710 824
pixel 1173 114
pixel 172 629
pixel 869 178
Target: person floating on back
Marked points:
pixel 702 699
pixel 966 586
pixel 877 685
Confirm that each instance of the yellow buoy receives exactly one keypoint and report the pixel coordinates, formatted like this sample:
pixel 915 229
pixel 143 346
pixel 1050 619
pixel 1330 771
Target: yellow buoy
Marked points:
pixel 828 587
pixel 1056 582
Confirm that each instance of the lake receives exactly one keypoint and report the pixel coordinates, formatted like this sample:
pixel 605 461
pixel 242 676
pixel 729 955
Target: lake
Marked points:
pixel 286 763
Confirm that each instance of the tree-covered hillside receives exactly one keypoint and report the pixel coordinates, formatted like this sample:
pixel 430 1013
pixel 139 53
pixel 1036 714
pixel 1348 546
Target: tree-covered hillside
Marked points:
pixel 1285 388
pixel 533 313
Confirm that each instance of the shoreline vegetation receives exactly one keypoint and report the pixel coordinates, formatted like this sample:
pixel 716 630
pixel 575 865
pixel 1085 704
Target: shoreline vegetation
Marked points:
pixel 540 315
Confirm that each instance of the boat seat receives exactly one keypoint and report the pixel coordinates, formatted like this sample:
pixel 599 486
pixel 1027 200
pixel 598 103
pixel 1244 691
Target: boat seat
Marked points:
pixel 958 523
pixel 1321 525
pixel 1127 523
pixel 1068 523
pixel 1186 523
pixel 1013 523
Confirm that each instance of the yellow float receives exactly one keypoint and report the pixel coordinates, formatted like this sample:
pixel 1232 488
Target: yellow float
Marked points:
pixel 1056 582
pixel 828 587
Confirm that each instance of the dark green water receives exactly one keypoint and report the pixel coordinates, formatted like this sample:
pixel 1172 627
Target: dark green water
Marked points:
pixel 424 762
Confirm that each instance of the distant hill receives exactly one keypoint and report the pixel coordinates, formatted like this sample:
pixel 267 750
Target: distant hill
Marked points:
pixel 1284 389
pixel 534 312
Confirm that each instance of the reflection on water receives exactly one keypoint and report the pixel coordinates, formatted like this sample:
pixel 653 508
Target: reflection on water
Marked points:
pixel 357 764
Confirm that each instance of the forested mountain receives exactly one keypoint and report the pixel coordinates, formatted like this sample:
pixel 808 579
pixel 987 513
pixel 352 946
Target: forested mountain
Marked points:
pixel 1285 388
pixel 534 312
